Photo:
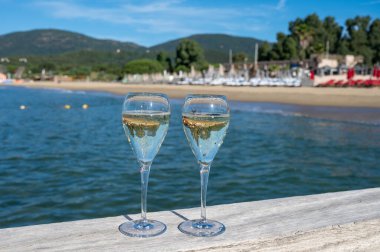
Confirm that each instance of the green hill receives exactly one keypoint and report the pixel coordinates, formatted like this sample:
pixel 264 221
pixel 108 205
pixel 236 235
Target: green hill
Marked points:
pixel 51 42
pixel 61 46
pixel 216 46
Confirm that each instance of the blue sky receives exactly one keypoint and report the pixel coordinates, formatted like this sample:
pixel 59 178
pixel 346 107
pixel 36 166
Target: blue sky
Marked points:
pixel 152 22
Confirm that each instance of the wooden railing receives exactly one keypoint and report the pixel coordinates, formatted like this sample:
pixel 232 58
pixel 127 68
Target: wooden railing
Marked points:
pixel 332 221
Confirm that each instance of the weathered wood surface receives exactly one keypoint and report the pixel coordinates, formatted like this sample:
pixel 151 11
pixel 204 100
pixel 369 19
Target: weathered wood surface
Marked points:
pixel 342 221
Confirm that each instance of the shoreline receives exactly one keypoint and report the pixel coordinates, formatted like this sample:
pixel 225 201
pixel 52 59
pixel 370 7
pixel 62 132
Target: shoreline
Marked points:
pixel 310 96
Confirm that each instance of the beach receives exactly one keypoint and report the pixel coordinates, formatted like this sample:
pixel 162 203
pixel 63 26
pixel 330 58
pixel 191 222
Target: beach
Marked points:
pixel 340 97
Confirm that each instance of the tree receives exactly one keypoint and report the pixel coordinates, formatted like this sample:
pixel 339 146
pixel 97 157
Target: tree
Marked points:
pixel 100 68
pixel 11 68
pixel 80 72
pixel 317 36
pixel 182 68
pixel 189 53
pixel 164 59
pixel 290 48
pixel 304 34
pixel 239 57
pixel 48 66
pixel 277 50
pixel 317 48
pixel 264 51
pixel 312 34
pixel 332 33
pixel 294 24
pixel 343 46
pixel 358 37
pixel 374 39
pixel 142 66
pixel 284 49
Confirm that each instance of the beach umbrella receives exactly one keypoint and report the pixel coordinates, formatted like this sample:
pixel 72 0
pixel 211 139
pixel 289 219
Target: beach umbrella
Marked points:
pixel 3 77
pixel 221 70
pixel 232 71
pixel 192 71
pixel 350 73
pixel 375 71
pixel 210 71
pixel 312 75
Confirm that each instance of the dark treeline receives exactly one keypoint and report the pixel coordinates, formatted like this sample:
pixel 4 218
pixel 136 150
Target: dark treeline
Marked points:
pixel 311 35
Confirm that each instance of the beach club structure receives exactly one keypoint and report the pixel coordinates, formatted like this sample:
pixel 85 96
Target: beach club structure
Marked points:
pixel 348 71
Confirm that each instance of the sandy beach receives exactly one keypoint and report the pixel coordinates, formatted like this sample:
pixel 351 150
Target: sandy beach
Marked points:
pixel 341 97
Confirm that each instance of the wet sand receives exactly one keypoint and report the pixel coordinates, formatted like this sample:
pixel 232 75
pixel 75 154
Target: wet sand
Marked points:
pixel 340 97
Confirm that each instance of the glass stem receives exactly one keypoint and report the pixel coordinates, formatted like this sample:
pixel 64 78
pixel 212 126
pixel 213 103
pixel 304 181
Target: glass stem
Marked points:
pixel 204 171
pixel 144 171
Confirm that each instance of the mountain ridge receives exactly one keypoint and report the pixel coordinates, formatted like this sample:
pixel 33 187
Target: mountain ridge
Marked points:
pixel 55 41
pixel 46 42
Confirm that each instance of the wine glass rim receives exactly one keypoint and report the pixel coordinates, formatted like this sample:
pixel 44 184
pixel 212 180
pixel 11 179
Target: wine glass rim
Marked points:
pixel 206 96
pixel 146 94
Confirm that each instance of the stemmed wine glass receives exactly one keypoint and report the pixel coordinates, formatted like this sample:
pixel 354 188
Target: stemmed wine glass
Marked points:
pixel 145 119
pixel 205 121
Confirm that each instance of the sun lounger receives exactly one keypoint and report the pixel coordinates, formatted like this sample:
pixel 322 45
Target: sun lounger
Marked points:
pixel 339 83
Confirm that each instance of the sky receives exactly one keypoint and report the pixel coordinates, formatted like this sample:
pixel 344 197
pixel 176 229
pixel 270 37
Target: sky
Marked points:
pixel 152 22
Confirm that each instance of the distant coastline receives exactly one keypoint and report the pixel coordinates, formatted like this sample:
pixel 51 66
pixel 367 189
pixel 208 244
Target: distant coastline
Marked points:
pixel 339 97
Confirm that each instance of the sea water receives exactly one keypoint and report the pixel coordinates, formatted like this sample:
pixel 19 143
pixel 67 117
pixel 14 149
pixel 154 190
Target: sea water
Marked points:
pixel 60 164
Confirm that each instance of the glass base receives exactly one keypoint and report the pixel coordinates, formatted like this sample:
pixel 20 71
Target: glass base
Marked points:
pixel 140 228
pixel 202 228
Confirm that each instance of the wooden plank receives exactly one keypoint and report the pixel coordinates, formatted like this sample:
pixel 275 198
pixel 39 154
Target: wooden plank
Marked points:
pixel 357 236
pixel 332 221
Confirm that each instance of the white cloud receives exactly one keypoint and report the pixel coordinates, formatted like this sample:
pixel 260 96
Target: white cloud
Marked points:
pixel 373 2
pixel 281 4
pixel 174 17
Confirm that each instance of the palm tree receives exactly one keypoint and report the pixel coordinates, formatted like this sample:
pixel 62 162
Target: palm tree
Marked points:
pixel 305 36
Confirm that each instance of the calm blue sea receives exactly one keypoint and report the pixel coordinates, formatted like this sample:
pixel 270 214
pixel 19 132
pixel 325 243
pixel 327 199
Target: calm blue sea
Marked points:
pixel 60 165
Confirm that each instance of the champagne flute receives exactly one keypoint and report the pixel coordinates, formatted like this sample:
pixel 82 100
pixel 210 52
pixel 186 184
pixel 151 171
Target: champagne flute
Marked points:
pixel 145 119
pixel 205 121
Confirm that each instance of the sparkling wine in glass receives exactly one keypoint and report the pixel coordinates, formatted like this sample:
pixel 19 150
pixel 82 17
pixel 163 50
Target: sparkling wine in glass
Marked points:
pixel 145 118
pixel 205 121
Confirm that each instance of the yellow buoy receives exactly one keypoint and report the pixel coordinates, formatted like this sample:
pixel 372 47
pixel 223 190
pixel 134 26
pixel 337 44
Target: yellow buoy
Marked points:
pixel 22 107
pixel 67 106
pixel 85 106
